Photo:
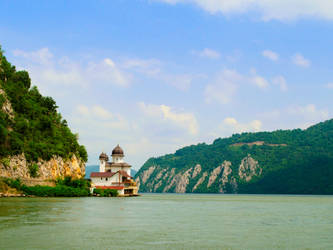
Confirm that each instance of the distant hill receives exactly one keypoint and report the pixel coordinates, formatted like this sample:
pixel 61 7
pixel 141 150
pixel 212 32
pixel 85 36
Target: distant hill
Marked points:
pixel 280 162
pixel 91 168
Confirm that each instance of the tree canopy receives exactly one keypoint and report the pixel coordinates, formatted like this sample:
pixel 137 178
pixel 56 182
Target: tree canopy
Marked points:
pixel 292 161
pixel 37 129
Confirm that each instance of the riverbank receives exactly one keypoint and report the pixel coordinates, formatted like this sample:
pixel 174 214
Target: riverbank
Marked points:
pixel 66 187
pixel 60 188
pixel 4 195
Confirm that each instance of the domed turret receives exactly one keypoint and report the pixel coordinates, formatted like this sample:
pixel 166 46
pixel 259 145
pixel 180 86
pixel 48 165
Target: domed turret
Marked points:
pixel 118 151
pixel 117 155
pixel 103 156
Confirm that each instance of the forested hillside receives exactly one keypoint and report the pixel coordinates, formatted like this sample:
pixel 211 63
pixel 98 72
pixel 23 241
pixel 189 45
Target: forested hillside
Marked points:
pixel 35 141
pixel 29 122
pixel 283 161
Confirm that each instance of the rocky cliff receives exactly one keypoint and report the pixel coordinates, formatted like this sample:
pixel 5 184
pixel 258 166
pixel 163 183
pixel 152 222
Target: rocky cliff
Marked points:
pixel 193 179
pixel 36 143
pixel 284 161
pixel 44 171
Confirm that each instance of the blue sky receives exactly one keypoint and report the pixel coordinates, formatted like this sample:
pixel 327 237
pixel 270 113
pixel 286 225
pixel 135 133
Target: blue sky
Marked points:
pixel 156 75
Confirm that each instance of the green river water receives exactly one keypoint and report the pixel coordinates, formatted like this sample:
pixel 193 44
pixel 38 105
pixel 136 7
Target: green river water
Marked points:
pixel 168 221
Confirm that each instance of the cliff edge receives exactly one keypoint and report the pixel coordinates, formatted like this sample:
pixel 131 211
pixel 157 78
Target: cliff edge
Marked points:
pixel 36 144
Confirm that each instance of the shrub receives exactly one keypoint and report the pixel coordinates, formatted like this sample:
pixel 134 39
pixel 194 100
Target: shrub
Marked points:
pixel 64 188
pixel 33 170
pixel 57 191
pixel 5 162
pixel 106 192
pixel 13 183
pixel 77 183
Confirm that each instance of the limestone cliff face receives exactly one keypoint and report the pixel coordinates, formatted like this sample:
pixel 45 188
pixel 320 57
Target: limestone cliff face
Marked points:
pixel 222 179
pixel 18 167
pixel 200 181
pixel 249 168
pixel 227 178
pixel 196 171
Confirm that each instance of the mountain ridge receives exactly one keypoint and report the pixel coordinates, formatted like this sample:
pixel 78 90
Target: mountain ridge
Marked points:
pixel 262 162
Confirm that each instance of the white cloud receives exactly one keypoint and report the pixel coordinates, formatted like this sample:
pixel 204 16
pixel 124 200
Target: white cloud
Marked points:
pixel 150 67
pixel 43 55
pixel 107 72
pixel 294 116
pixel 307 115
pixel 329 85
pixel 96 122
pixel 281 82
pixel 165 113
pixel 207 53
pixel 231 125
pixel 260 82
pixel 234 56
pixel 83 110
pixel 270 55
pixel 267 9
pixel 227 82
pixel 182 81
pixel 299 60
pixel 224 87
pixel 48 71
pixel 309 111
pixel 153 69
pixel 101 114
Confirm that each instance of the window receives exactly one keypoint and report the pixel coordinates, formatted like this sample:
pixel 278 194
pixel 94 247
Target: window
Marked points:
pixel 101 178
pixel 106 179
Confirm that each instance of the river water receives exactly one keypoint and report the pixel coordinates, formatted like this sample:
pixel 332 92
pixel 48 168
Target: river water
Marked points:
pixel 168 221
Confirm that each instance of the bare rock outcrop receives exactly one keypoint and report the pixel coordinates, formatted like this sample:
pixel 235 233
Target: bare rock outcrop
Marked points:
pixel 172 180
pixel 57 167
pixel 214 174
pixel 196 171
pixel 6 106
pixel 248 168
pixel 138 182
pixel 160 174
pixel 183 181
pixel 200 181
pixel 146 174
pixel 157 185
pixel 226 176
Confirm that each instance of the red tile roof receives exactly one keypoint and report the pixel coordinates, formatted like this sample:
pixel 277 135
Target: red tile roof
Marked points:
pixel 109 174
pixel 110 187
pixel 124 173
pixel 102 174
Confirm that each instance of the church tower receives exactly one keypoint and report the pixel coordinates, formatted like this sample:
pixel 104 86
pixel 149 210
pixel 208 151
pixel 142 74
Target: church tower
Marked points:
pixel 103 158
pixel 117 155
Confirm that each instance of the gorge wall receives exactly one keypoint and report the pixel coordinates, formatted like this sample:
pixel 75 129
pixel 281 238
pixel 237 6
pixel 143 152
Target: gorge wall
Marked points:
pixel 224 178
pixel 279 162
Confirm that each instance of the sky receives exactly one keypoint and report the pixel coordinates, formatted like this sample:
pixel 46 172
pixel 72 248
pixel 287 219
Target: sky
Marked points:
pixel 158 75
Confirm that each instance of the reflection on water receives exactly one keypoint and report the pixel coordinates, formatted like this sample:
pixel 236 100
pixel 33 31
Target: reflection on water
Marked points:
pixel 167 221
